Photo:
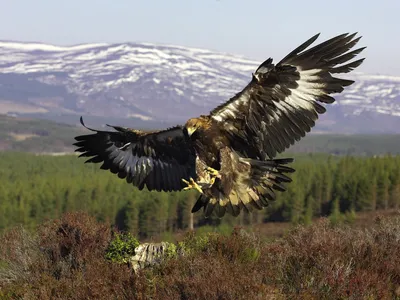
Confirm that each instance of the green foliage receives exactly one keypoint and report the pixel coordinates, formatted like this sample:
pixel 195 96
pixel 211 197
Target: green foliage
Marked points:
pixel 35 188
pixel 350 216
pixel 194 243
pixel 336 216
pixel 122 247
pixel 171 250
pixel 223 228
pixel 250 254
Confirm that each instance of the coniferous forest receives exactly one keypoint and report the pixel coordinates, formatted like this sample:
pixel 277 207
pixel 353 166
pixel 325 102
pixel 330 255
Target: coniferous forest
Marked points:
pixel 37 187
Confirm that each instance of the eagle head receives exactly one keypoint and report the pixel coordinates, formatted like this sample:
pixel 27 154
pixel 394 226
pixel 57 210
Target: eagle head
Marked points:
pixel 195 123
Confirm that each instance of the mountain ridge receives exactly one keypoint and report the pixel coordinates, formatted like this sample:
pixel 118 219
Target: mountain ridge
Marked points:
pixel 165 83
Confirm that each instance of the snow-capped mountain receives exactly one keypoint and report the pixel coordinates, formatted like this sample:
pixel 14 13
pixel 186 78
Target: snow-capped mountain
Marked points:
pixel 160 82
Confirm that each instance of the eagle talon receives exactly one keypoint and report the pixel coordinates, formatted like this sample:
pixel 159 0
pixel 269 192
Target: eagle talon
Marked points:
pixel 191 184
pixel 213 173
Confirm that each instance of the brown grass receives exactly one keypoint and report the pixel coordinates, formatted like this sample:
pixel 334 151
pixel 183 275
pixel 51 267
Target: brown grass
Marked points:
pixel 65 260
pixel 323 262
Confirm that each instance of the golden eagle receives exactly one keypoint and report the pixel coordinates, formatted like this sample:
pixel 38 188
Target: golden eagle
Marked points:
pixel 228 155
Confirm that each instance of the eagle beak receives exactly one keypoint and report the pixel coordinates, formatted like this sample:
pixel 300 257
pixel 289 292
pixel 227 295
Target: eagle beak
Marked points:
pixel 190 130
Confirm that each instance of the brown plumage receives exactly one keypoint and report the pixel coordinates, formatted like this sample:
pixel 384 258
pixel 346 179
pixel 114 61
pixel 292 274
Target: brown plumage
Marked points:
pixel 230 153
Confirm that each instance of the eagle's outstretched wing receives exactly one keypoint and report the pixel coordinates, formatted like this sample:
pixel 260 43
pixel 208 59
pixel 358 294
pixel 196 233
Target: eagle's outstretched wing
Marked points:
pixel 158 160
pixel 281 103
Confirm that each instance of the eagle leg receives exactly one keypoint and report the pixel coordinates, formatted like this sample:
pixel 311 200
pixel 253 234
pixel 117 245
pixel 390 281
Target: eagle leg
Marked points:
pixel 191 184
pixel 213 174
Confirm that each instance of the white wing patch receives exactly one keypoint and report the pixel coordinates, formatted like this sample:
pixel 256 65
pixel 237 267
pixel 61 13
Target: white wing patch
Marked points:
pixel 232 109
pixel 217 118
pixel 303 96
pixel 124 146
pixel 308 90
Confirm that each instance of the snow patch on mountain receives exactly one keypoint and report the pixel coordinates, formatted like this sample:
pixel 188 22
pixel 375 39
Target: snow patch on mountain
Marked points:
pixel 161 81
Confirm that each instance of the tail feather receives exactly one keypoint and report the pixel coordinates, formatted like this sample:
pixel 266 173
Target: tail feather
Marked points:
pixel 233 210
pixel 251 190
pixel 267 177
pixel 201 202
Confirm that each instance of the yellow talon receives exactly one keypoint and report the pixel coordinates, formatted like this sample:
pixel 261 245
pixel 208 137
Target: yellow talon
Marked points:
pixel 213 173
pixel 191 185
pixel 212 180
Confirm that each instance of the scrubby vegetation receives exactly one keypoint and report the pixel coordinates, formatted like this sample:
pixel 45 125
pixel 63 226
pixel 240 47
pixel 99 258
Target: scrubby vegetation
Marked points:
pixel 122 247
pixel 66 259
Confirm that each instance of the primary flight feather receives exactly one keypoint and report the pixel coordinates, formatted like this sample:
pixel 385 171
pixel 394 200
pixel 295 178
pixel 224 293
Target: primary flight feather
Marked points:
pixel 228 155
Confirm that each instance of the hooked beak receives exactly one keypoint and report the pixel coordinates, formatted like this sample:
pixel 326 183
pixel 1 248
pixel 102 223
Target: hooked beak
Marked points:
pixel 190 130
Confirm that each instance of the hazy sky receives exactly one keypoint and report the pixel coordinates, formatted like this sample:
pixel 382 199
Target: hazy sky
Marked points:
pixel 254 28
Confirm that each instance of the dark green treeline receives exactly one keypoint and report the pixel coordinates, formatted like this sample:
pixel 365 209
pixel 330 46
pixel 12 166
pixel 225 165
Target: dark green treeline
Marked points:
pixel 35 188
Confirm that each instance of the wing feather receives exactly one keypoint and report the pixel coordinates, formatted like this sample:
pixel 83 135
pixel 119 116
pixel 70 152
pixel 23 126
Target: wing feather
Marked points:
pixel 157 160
pixel 282 102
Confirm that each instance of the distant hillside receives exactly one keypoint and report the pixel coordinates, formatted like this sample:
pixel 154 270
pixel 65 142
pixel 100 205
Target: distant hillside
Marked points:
pixel 355 144
pixel 38 136
pixel 35 135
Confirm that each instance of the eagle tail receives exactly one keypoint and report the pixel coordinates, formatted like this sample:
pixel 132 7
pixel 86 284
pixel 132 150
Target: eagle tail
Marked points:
pixel 257 188
pixel 267 177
